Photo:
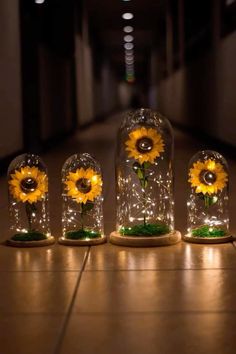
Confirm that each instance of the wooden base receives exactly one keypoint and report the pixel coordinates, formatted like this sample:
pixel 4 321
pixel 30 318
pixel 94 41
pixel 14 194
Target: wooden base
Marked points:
pixel 47 242
pixel 212 240
pixel 92 242
pixel 142 241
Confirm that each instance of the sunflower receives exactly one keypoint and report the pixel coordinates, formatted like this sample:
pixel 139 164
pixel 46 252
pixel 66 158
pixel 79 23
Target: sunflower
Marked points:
pixel 28 184
pixel 208 177
pixel 144 145
pixel 83 185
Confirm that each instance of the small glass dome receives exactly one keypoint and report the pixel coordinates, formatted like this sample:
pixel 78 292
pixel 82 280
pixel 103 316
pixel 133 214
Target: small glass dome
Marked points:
pixel 207 203
pixel 28 201
pixel 82 201
pixel 144 175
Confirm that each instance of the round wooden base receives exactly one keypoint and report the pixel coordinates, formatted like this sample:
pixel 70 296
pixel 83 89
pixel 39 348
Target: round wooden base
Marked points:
pixel 212 240
pixel 47 242
pixel 142 241
pixel 92 242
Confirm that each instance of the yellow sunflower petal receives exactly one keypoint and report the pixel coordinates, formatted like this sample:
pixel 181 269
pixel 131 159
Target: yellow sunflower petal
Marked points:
pixel 15 184
pixel 149 156
pixel 208 165
pixel 75 193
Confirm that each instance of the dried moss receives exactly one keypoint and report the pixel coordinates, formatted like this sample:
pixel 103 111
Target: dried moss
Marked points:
pixel 145 230
pixel 29 236
pixel 208 231
pixel 82 234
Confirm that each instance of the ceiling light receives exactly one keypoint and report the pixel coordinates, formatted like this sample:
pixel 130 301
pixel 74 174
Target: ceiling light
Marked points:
pixel 129 62
pixel 39 2
pixel 127 16
pixel 129 52
pixel 128 29
pixel 129 57
pixel 129 69
pixel 128 46
pixel 128 38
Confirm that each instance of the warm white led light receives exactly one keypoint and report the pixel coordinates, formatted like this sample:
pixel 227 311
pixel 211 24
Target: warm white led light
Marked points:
pixel 128 29
pixel 128 38
pixel 128 46
pixel 127 16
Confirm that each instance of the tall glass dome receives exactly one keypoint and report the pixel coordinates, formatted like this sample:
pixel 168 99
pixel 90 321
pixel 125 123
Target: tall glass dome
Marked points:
pixel 82 201
pixel 207 204
pixel 28 202
pixel 144 179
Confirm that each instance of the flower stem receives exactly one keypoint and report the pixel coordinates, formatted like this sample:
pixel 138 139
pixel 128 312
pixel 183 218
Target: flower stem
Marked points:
pixel 208 201
pixel 28 209
pixel 82 216
pixel 144 193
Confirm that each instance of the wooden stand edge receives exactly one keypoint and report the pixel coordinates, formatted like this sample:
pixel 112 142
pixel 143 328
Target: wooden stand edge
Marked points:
pixel 47 242
pixel 208 240
pixel 96 241
pixel 141 241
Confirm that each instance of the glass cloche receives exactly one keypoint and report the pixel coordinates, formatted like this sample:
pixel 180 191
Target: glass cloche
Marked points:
pixel 28 202
pixel 144 178
pixel 82 201
pixel 207 204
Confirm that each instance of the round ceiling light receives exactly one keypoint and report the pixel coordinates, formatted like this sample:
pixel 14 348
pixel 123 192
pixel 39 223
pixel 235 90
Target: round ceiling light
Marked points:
pixel 127 16
pixel 128 29
pixel 128 38
pixel 128 46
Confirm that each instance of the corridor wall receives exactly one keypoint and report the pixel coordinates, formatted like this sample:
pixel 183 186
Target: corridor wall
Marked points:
pixel 201 95
pixel 11 139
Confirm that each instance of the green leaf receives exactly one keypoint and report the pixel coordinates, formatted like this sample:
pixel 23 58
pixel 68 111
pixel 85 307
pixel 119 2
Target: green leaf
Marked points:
pixel 140 174
pixel 145 182
pixel 146 164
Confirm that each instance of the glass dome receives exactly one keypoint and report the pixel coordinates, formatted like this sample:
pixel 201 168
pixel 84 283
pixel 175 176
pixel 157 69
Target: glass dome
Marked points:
pixel 28 201
pixel 82 201
pixel 144 175
pixel 207 202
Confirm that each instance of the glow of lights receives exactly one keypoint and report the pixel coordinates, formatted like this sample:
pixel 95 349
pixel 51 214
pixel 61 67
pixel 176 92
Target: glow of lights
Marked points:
pixel 39 2
pixel 128 29
pixel 129 60
pixel 229 2
pixel 130 71
pixel 128 46
pixel 127 16
pixel 129 56
pixel 129 52
pixel 128 38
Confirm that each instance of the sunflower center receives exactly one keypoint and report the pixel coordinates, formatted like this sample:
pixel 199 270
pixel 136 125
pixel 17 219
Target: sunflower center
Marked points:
pixel 84 185
pixel 28 185
pixel 207 177
pixel 144 145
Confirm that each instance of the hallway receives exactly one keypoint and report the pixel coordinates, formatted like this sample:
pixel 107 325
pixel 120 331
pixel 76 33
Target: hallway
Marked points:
pixel 109 299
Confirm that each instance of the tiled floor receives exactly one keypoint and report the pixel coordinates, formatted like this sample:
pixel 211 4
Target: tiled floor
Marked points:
pixel 108 299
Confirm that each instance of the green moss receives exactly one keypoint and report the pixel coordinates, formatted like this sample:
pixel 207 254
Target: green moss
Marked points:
pixel 208 231
pixel 29 236
pixel 82 234
pixel 145 230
